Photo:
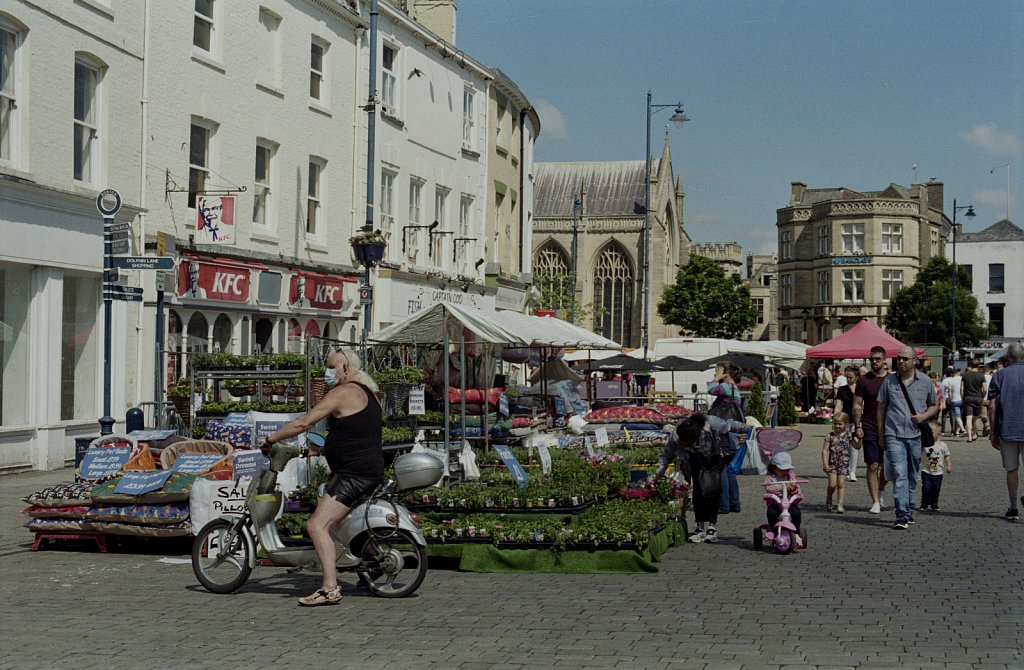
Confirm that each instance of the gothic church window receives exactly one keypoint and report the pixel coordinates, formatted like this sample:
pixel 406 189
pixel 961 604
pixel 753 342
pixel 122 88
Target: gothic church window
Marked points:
pixel 552 276
pixel 613 295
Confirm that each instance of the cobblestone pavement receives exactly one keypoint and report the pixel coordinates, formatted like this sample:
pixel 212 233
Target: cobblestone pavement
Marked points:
pixel 945 594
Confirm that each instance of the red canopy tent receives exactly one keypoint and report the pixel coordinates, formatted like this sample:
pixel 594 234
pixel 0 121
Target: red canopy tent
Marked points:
pixel 857 343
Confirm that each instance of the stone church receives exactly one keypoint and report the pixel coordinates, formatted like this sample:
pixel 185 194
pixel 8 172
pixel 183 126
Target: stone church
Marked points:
pixel 606 202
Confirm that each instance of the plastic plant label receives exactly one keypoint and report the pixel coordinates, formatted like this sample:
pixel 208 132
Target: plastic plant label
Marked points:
pixel 602 436
pixel 510 461
pixel 545 458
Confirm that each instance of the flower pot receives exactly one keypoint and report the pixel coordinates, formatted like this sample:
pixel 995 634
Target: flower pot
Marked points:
pixel 369 253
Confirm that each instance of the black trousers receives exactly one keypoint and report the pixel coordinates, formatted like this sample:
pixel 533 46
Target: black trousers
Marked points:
pixel 707 490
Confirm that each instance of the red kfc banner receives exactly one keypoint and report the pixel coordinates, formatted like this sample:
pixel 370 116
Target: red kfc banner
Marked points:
pixel 318 291
pixel 197 279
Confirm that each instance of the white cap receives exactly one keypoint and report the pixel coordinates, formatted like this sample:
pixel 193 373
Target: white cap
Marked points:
pixel 782 460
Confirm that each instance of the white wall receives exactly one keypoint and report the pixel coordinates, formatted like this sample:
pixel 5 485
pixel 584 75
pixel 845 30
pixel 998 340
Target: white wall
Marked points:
pixel 979 255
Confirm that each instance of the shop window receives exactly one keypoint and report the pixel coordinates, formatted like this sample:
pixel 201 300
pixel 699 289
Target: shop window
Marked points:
pixel 312 329
pixel 10 85
pixel 264 331
pixel 86 122
pixel 175 347
pixel 14 344
pixel 996 319
pixel 613 295
pixel 294 344
pixel 198 332
pixel 269 291
pixel 80 347
pixel 203 26
pixel 996 273
pixel 223 331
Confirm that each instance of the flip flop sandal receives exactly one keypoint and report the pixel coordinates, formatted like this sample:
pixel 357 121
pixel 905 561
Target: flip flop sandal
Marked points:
pixel 322 597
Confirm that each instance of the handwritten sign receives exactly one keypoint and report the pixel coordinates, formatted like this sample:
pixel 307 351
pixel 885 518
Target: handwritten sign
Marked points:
pixel 545 458
pixel 104 462
pixel 510 461
pixel 602 436
pixel 503 404
pixel 139 482
pixel 249 463
pixel 417 401
pixel 150 435
pixel 195 464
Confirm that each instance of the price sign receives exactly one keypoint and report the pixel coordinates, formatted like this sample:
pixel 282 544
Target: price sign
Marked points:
pixel 503 404
pixel 150 435
pixel 545 458
pixel 249 463
pixel 196 464
pixel 512 463
pixel 137 483
pixel 602 436
pixel 417 401
pixel 104 462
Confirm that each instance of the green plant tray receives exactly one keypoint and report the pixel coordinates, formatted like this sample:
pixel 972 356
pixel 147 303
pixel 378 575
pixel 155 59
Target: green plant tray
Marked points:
pixel 447 511
pixel 486 557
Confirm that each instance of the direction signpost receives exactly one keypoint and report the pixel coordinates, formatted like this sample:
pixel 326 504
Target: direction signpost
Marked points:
pixel 117 240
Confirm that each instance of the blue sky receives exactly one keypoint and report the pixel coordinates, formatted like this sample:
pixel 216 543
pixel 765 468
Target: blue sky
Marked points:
pixel 829 93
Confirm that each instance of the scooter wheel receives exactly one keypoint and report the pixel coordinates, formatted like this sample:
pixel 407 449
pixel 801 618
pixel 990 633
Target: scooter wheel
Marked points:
pixel 219 567
pixel 395 565
pixel 758 539
pixel 784 541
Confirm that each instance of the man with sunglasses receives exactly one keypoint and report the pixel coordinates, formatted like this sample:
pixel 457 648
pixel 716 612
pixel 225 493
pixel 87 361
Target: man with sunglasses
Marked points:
pixel 899 421
pixel 865 418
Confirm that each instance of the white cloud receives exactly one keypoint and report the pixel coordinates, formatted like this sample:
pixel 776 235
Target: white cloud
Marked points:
pixel 988 139
pixel 552 123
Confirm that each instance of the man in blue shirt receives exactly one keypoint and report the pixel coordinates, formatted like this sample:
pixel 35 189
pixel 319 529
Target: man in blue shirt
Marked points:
pixel 898 430
pixel 1006 419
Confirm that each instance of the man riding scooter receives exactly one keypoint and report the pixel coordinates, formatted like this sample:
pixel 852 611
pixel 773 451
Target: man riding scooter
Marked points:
pixel 354 454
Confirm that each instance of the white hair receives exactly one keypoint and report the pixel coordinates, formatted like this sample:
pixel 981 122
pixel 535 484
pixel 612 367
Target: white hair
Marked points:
pixel 355 367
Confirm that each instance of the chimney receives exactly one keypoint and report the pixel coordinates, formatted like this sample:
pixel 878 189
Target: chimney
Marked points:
pixel 437 16
pixel 935 195
pixel 797 193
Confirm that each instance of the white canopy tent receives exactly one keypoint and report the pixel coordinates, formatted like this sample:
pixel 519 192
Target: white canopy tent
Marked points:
pixel 511 328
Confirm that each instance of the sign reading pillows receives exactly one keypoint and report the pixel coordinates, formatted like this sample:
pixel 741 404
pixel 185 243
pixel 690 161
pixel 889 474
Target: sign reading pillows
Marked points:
pixel 104 462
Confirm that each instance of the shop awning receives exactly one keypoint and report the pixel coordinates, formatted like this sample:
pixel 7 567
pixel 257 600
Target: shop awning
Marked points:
pixel 427 327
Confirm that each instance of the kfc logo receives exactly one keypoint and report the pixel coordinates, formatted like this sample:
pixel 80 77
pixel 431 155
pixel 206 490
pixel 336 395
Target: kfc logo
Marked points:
pixel 318 291
pixel 197 279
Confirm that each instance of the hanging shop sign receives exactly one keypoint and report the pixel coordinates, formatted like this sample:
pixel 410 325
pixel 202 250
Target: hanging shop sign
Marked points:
pixel 409 297
pixel 215 219
pixel 319 291
pixel 198 279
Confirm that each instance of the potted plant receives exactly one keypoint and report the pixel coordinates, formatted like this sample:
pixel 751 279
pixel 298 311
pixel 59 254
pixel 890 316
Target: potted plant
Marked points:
pixel 368 247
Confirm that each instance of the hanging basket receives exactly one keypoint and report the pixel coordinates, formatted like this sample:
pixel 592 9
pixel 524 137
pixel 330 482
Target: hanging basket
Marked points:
pixel 317 390
pixel 182 406
pixel 369 253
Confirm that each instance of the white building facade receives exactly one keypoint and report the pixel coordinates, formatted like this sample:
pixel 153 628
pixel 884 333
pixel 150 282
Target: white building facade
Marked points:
pixel 992 258
pixel 237 130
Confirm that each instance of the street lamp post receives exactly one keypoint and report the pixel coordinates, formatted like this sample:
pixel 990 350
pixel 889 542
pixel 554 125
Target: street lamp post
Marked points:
pixel 969 214
pixel 576 206
pixel 678 118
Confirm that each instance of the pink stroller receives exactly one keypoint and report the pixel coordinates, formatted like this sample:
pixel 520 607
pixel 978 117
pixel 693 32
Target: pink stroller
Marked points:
pixel 782 534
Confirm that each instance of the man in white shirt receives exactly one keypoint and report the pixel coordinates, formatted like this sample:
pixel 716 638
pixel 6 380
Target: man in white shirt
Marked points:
pixel 954 401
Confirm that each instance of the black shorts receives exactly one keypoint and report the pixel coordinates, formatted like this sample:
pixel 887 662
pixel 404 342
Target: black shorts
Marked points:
pixel 972 405
pixel 349 490
pixel 873 451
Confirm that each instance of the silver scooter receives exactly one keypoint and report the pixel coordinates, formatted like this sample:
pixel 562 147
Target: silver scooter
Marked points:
pixel 380 540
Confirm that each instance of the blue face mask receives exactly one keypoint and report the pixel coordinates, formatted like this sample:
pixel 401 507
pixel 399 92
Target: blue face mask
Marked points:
pixel 331 378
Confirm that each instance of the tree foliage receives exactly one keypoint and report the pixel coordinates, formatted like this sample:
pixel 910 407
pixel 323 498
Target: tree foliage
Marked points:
pixel 922 312
pixel 787 405
pixel 707 302
pixel 556 293
pixel 755 404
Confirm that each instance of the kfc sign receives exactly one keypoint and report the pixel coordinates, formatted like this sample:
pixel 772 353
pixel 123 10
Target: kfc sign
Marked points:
pixel 318 291
pixel 197 279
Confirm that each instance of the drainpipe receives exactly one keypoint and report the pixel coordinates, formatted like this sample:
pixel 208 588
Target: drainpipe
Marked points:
pixel 144 154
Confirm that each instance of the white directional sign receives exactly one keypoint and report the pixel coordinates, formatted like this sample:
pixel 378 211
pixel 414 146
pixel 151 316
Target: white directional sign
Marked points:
pixel 121 247
pixel 118 227
pixel 143 262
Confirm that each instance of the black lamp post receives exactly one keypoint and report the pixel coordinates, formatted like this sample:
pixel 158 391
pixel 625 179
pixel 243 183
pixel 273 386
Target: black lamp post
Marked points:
pixel 805 313
pixel 577 205
pixel 678 118
pixel 969 214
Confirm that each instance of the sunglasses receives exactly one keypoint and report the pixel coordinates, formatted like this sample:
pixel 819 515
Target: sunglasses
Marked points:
pixel 904 358
pixel 878 358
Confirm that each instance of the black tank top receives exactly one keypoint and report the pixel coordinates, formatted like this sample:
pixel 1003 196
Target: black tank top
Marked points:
pixel 353 445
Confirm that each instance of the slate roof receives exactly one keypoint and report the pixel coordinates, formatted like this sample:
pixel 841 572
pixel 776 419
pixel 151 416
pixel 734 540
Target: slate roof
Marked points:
pixel 1001 231
pixel 614 188
pixel 813 196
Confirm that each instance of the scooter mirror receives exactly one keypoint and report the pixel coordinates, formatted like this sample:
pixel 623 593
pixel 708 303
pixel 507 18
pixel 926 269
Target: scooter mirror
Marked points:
pixel 316 439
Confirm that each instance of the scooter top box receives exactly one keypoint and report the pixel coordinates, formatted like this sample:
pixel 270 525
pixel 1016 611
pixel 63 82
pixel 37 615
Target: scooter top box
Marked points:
pixel 414 471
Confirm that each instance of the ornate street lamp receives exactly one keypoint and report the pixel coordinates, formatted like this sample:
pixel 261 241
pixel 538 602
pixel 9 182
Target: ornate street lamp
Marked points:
pixel 969 214
pixel 678 118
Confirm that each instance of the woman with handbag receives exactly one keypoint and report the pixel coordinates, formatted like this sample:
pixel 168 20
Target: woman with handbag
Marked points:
pixel 728 405
pixel 698 443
